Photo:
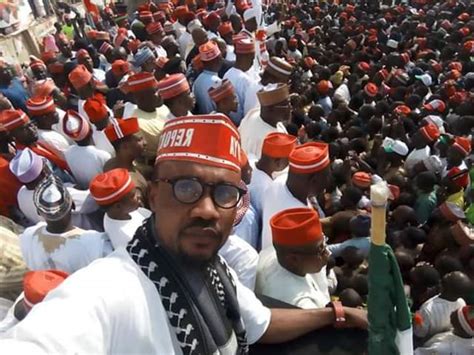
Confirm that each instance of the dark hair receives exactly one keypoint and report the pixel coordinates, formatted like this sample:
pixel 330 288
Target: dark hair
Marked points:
pixel 446 264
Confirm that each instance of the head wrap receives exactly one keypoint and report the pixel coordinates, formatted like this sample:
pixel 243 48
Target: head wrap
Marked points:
pixel 52 199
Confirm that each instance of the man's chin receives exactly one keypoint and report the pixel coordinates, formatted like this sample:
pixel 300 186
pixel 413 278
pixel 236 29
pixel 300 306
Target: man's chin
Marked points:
pixel 197 258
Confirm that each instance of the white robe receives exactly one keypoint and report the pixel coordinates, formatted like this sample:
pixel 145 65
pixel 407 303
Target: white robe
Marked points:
pixel 242 258
pixel 241 81
pixel 68 251
pixel 120 232
pixel 253 131
pixel 251 99
pixel 300 291
pixel 257 189
pixel 53 140
pixel 112 307
pixel 85 163
pixel 415 156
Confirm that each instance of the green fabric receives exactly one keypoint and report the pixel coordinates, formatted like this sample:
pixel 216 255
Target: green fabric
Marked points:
pixel 470 213
pixel 424 206
pixel 387 305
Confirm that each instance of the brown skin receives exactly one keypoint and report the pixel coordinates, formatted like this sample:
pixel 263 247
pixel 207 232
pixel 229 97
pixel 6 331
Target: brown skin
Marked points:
pixel 147 100
pixel 156 38
pixel 279 112
pixel 26 134
pixel 305 259
pixel 121 210
pixel 196 232
pixel 46 121
pixel 244 61
pixel 182 104
pixel 87 62
pixel 251 25
pixel 149 65
pixel 270 165
pixel 304 185
pixel 227 105
pixel 87 90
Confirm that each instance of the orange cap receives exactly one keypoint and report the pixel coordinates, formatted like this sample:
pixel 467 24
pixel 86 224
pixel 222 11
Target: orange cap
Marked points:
pixel 278 145
pixel 296 227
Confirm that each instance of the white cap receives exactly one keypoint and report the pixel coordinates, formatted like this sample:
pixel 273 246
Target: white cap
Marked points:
pixel 433 163
pixel 395 146
pixel 392 44
pixel 193 25
pixel 26 165
pixel 425 79
pixel 438 121
pixel 250 13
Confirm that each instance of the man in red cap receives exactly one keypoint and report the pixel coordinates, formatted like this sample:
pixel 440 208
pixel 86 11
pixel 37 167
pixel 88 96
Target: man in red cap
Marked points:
pixel 223 94
pixel 99 115
pixel 211 59
pixel 176 95
pixel 151 115
pixel 125 136
pixel 421 143
pixel 274 158
pixel 84 158
pixel 155 282
pixel 300 251
pixel 277 71
pixel 274 110
pixel 116 193
pixel 36 286
pixel 83 82
pixel 44 113
pixel 25 134
pixel 212 22
pixel 307 179
pixel 238 76
pixel 83 58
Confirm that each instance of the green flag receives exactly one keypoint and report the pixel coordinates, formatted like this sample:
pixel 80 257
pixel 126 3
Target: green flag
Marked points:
pixel 388 312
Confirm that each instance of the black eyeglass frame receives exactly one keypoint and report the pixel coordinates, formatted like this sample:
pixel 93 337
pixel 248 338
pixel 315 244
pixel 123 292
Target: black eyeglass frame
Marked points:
pixel 209 185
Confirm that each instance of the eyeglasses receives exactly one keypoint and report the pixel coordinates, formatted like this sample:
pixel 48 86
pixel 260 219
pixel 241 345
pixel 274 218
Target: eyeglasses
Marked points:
pixel 189 190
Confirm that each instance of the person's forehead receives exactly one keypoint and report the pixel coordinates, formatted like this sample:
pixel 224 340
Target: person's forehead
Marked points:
pixel 206 173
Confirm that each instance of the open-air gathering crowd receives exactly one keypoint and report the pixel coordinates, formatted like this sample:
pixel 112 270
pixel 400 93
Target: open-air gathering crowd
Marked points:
pixel 167 170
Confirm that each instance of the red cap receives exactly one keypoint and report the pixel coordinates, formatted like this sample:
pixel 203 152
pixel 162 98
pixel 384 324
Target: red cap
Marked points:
pixel 37 284
pixel 111 186
pixel 11 119
pixel 455 66
pixel 209 51
pixel 82 53
pixel 309 158
pixel 466 319
pixel 40 105
pixel 141 81
pixel 362 179
pixel 95 109
pixel 145 15
pixel 462 144
pixel 363 66
pixel 120 67
pixel 75 126
pixel 244 46
pixel 187 139
pixel 459 177
pixel 180 11
pixel 324 86
pixel 120 128
pixel 173 86
pixel 464 17
pixel 212 17
pixel 451 211
pixel 435 105
pixel 278 145
pixel 37 63
pixel 371 89
pixel 79 77
pixel 430 132
pixel 225 28
pixel 105 48
pixel 154 27
pixel 296 227
pixel 402 110
pixel 225 89
pixel 48 56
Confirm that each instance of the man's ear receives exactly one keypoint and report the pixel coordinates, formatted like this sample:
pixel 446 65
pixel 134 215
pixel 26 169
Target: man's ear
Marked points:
pixel 153 191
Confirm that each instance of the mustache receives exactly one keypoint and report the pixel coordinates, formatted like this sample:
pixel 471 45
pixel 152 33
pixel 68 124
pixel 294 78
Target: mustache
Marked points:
pixel 201 223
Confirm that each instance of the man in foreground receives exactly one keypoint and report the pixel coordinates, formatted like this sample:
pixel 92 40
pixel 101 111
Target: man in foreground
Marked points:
pixel 169 292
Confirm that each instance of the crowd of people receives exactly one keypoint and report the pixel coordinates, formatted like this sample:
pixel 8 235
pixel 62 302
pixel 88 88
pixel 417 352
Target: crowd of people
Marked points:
pixel 163 168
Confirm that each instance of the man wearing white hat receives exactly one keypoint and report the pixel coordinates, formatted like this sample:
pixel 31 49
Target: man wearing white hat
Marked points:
pixel 28 167
pixel 56 243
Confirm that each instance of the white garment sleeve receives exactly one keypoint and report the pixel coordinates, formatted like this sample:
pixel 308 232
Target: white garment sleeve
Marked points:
pixel 255 315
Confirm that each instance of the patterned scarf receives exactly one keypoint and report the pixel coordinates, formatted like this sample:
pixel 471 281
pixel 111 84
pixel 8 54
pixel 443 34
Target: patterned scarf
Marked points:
pixel 182 307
